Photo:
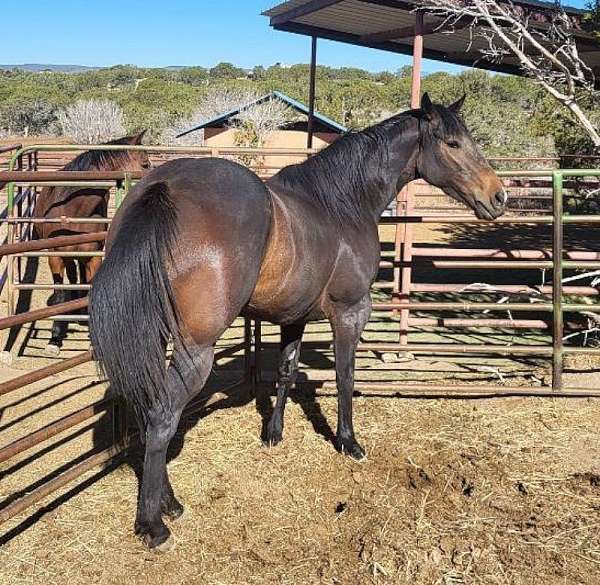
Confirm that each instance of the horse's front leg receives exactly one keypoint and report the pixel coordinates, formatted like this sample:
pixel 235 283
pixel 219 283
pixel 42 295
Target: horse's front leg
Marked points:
pixel 59 328
pixel 347 322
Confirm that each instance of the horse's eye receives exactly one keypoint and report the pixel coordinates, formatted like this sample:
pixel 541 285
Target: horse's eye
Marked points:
pixel 453 144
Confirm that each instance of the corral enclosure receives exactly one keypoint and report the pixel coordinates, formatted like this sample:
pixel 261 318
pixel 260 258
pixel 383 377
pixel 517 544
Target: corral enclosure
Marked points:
pixel 454 491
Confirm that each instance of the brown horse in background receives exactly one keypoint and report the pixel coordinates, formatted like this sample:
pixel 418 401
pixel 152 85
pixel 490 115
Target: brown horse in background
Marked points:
pixel 92 202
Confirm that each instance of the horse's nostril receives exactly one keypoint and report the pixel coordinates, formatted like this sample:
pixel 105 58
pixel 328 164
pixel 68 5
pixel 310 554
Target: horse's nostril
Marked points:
pixel 500 198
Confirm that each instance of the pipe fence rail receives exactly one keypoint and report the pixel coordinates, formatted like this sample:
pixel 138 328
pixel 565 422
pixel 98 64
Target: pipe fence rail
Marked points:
pixel 24 176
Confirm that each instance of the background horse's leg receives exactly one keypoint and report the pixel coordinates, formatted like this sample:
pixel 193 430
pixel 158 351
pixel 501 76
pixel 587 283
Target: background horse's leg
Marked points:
pixel 187 373
pixel 59 328
pixel 348 322
pixel 291 338
pixel 91 267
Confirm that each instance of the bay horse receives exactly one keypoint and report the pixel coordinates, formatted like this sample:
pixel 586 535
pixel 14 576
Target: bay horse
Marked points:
pixel 199 242
pixel 57 202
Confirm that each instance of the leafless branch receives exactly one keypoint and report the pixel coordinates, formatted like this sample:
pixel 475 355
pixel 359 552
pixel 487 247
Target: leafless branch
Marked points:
pixel 92 121
pixel 547 53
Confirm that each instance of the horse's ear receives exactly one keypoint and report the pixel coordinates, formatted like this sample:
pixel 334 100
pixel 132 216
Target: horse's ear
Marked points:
pixel 427 106
pixel 137 138
pixel 457 105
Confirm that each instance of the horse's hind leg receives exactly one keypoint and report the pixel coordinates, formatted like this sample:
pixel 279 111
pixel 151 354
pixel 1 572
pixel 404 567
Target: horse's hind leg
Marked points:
pixel 186 376
pixel 59 328
pixel 291 338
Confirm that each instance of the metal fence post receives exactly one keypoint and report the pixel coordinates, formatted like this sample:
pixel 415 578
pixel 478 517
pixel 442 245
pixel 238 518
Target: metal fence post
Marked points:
pixel 557 267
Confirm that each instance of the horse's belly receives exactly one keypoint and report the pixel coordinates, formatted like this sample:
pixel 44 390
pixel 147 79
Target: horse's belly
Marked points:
pixel 293 274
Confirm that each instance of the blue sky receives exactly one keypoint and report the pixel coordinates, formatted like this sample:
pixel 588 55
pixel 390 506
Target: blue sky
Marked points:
pixel 173 32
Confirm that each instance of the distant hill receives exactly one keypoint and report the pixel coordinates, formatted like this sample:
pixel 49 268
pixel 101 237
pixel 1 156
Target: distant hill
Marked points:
pixel 37 67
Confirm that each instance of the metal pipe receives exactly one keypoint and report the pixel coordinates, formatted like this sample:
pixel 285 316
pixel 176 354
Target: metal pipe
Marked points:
pixel 509 265
pixel 557 275
pixel 45 372
pixel 500 254
pixel 16 220
pixel 474 323
pixel 44 313
pixel 477 306
pixel 510 288
pixel 415 86
pixel 466 306
pixel 54 429
pixel 58 242
pixel 70 318
pixel 69 176
pixel 311 92
pixel 59 254
pixel 402 389
pixel 63 479
pixel 10 147
pixel 464 348
pixel 53 286
pixel 471 219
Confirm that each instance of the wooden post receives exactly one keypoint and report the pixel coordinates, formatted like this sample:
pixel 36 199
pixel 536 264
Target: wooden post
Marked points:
pixel 311 93
pixel 405 199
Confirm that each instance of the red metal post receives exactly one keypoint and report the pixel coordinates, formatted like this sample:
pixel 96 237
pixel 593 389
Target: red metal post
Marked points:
pixel 405 200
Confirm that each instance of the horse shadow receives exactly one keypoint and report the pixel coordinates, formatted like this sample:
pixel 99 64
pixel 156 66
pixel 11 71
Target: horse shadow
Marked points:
pixel 239 394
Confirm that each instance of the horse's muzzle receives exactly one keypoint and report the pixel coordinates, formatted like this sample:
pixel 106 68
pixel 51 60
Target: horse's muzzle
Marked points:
pixel 492 209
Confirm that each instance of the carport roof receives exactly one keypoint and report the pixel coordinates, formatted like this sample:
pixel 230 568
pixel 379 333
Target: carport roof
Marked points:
pixel 389 25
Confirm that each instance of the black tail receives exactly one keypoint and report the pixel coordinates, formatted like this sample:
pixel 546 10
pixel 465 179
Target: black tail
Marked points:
pixel 132 309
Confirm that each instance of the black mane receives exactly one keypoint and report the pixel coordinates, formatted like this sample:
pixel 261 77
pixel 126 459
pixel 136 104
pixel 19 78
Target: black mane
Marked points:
pixel 349 172
pixel 101 159
pixel 347 175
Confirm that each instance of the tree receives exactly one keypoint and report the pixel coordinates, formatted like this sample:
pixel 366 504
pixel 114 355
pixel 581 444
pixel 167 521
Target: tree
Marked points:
pixel 92 121
pixel 193 75
pixel 226 71
pixel 28 117
pixel 548 54
pixel 592 18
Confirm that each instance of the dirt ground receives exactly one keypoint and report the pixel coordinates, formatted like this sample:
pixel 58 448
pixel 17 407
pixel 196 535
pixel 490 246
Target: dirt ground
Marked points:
pixel 485 491
pixel 504 491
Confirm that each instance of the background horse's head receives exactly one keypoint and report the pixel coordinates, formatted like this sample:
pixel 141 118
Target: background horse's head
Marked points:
pixel 133 160
pixel 450 159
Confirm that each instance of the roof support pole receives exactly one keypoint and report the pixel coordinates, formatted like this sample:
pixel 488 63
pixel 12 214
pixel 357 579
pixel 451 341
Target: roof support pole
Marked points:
pixel 405 199
pixel 415 90
pixel 311 92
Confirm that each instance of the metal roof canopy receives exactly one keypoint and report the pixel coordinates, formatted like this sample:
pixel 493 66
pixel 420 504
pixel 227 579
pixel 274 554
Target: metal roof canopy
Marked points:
pixel 390 25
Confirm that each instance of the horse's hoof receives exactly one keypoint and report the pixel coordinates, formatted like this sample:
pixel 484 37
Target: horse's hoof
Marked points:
pixel 273 433
pixel 272 439
pixel 6 358
pixel 353 449
pixel 162 546
pixel 52 350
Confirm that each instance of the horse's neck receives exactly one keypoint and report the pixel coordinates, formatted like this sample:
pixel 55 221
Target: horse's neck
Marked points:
pixel 399 171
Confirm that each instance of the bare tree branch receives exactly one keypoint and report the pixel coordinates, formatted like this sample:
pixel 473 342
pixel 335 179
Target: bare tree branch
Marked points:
pixel 92 121
pixel 547 53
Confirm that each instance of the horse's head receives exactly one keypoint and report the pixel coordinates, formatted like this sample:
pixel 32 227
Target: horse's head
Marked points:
pixel 137 159
pixel 450 159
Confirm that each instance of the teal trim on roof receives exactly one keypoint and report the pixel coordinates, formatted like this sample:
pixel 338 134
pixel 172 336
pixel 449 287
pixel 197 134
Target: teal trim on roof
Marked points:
pixel 296 105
